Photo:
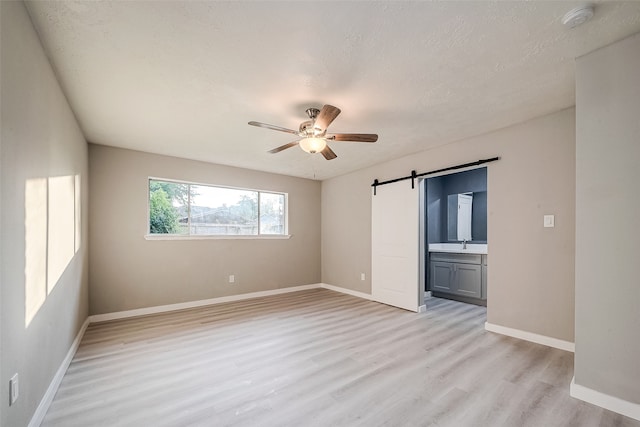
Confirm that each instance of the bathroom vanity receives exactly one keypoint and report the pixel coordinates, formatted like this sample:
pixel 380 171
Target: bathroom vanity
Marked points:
pixel 456 216
pixel 459 271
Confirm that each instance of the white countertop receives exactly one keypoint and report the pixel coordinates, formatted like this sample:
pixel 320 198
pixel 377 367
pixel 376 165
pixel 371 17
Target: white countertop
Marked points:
pixel 472 248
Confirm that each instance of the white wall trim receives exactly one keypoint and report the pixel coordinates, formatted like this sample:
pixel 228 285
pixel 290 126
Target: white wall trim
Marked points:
pixel 217 236
pixel 211 301
pixel 421 309
pixel 43 407
pixel 192 304
pixel 606 401
pixel 530 336
pixel 346 291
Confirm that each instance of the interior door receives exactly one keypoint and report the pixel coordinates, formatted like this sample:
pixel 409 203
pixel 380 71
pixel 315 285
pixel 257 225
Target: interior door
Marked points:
pixel 395 245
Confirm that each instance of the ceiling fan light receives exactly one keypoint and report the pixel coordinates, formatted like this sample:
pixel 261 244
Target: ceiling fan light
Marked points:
pixel 313 145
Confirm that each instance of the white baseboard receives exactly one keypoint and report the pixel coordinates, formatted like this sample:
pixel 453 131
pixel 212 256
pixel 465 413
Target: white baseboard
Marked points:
pixel 530 336
pixel 421 309
pixel 346 291
pixel 211 301
pixel 192 304
pixel 606 401
pixel 43 407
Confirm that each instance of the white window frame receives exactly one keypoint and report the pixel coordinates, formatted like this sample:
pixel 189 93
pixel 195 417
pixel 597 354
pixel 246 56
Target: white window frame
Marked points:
pixel 259 236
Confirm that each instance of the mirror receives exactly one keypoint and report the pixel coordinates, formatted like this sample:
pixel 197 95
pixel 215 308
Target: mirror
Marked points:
pixel 442 193
pixel 459 216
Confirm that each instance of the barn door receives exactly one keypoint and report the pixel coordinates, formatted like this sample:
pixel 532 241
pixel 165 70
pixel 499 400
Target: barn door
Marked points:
pixel 395 245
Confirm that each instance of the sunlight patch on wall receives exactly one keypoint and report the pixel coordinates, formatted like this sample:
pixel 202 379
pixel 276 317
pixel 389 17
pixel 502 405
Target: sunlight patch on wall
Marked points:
pixel 52 235
pixel 78 203
pixel 35 246
pixel 61 228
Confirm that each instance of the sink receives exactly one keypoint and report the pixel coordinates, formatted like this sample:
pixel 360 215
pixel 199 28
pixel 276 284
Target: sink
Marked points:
pixel 472 248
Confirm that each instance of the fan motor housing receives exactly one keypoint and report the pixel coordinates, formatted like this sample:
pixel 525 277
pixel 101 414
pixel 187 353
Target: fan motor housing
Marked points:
pixel 307 129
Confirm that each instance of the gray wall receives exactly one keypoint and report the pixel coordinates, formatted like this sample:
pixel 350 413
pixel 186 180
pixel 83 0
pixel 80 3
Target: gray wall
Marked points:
pixel 436 222
pixel 608 209
pixel 438 191
pixel 41 143
pixel 470 181
pixel 128 272
pixel 528 263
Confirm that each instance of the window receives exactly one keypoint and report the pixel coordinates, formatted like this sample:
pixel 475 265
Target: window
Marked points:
pixel 185 209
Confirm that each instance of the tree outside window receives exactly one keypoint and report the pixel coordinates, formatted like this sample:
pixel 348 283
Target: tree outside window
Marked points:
pixel 193 209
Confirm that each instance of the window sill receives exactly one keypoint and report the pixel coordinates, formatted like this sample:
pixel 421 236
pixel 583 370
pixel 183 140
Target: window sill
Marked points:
pixel 217 237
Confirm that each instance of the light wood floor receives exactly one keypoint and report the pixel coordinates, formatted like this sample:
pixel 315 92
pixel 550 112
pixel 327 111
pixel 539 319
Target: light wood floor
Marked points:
pixel 317 358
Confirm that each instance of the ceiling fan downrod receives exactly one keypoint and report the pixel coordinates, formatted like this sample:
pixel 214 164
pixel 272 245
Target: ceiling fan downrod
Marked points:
pixel 312 113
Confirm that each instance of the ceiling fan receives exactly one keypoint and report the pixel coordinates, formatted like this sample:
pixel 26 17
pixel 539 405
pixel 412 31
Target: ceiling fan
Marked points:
pixel 313 133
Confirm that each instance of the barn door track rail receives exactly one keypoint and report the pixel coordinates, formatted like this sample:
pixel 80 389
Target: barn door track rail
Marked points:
pixel 415 175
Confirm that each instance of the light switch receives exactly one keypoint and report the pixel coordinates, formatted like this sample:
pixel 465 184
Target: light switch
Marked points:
pixel 549 221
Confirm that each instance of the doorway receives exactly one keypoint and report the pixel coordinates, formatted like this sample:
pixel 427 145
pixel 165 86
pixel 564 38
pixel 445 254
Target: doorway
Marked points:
pixel 454 261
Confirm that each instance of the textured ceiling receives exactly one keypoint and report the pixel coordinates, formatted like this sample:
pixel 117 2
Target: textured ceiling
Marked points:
pixel 184 78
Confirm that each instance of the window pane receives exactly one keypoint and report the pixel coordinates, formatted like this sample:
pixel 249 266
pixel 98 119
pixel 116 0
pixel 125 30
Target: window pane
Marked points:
pixel 168 213
pixel 272 214
pixel 220 211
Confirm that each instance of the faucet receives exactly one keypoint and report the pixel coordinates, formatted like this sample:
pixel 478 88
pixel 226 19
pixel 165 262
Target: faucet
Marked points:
pixel 464 244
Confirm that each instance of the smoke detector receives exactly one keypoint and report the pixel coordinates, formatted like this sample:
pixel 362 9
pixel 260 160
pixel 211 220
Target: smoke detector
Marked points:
pixel 578 16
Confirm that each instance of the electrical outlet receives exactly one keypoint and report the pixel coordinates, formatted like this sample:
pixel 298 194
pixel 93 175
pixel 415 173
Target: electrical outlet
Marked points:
pixel 362 276
pixel 232 278
pixel 14 391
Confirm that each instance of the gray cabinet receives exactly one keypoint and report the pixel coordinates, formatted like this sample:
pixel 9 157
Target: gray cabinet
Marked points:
pixel 468 280
pixel 458 274
pixel 441 276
